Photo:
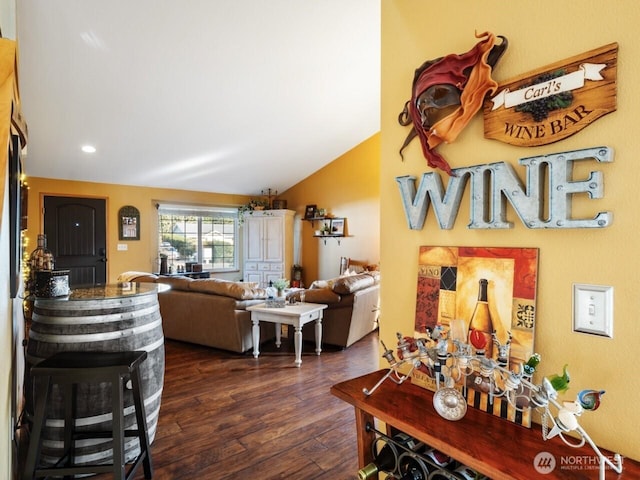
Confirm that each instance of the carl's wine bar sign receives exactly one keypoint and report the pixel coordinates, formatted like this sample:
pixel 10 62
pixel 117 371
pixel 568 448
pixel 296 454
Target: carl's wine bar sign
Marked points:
pixel 553 102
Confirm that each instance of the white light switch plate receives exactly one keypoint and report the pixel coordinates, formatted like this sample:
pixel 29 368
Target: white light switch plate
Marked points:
pixel 123 247
pixel 593 309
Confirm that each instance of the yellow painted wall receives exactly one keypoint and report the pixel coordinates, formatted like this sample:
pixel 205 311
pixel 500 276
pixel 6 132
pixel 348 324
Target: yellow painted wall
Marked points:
pixel 141 255
pixel 540 32
pixel 347 187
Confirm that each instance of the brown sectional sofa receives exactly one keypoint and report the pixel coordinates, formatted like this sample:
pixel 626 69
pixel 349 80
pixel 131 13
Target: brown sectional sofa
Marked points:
pixel 212 312
pixel 208 312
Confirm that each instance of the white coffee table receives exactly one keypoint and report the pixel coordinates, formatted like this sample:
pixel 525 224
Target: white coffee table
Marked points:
pixel 296 315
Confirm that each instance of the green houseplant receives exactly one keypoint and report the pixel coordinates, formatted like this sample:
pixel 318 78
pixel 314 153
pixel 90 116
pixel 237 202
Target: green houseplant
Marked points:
pixel 252 205
pixel 280 285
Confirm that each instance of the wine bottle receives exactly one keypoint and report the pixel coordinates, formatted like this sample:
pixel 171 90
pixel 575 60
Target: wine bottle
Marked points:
pixel 466 473
pixel 411 467
pixel 386 460
pixel 438 458
pixel 481 319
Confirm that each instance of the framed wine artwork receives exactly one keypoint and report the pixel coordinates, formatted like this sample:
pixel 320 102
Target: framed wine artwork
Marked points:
pixel 486 289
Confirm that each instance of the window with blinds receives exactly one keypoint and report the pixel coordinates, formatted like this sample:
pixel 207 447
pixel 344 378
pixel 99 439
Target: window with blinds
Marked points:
pixel 199 234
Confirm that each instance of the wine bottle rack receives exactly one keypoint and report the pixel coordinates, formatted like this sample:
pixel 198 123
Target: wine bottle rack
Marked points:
pixel 435 470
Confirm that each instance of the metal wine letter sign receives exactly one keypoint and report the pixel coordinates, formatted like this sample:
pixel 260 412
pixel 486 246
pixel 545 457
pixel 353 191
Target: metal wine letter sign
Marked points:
pixel 554 102
pixel 494 184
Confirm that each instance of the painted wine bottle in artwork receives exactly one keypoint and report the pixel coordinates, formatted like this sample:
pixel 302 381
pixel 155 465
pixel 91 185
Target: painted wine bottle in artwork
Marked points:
pixel 481 321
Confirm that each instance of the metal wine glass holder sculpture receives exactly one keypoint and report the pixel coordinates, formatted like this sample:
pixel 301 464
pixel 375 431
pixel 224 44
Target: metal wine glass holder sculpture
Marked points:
pixel 450 365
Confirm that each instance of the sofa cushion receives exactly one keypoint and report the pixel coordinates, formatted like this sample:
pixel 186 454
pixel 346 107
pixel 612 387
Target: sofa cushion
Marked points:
pixel 322 284
pixel 317 295
pixel 133 276
pixel 177 283
pixel 351 283
pixel 237 290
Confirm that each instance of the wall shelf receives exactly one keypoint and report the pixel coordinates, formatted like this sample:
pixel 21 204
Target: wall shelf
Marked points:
pixel 331 227
pixel 324 237
pixel 314 219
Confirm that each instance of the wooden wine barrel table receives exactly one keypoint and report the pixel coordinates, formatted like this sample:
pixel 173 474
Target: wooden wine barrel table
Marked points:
pixel 107 318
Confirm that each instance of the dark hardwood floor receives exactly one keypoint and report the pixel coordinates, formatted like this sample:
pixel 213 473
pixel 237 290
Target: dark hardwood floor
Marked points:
pixel 227 416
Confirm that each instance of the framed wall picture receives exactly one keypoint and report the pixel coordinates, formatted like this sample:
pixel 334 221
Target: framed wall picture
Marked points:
pixel 337 226
pixel 129 220
pixel 310 211
pixel 15 214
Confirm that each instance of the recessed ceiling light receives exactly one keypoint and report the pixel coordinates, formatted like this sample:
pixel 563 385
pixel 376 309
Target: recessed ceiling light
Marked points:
pixel 88 149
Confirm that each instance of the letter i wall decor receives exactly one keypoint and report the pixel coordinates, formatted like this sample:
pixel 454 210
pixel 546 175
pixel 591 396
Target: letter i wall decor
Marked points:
pixel 454 284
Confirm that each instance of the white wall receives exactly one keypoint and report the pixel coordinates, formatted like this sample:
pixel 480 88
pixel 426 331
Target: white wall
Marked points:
pixel 7 334
pixel 8 18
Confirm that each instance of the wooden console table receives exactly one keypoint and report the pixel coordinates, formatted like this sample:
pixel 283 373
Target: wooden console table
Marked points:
pixel 488 444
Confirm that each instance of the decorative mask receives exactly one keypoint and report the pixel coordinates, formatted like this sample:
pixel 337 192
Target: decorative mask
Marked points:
pixel 447 93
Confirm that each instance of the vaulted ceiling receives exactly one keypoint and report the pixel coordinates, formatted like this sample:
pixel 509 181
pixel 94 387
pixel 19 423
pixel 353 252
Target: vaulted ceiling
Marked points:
pixel 230 96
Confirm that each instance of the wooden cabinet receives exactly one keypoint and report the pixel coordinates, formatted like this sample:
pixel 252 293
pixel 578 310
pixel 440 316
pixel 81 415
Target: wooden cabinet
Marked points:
pixel 268 245
pixel 493 446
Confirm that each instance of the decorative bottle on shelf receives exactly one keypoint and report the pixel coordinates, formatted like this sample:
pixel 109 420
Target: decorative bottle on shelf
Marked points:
pixel 481 321
pixel 386 460
pixel 271 290
pixel 163 265
pixel 41 258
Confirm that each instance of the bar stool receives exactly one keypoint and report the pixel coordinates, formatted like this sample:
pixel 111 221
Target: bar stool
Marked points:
pixel 68 369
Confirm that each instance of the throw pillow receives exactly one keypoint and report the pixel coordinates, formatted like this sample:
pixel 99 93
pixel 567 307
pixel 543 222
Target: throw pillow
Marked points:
pixel 350 284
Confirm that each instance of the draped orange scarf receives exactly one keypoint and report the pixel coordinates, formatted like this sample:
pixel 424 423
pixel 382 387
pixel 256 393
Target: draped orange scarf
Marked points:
pixel 470 73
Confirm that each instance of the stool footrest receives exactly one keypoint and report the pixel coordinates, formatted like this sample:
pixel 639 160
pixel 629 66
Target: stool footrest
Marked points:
pixel 85 435
pixel 79 469
pixel 74 470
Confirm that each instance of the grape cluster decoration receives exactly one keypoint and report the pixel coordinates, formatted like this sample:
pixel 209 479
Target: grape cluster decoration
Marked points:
pixel 539 109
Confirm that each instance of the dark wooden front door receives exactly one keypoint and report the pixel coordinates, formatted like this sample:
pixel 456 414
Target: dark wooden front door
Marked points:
pixel 76 235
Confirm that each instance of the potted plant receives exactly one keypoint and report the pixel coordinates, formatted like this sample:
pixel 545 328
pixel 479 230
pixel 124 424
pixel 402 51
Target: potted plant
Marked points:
pixel 280 285
pixel 248 208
